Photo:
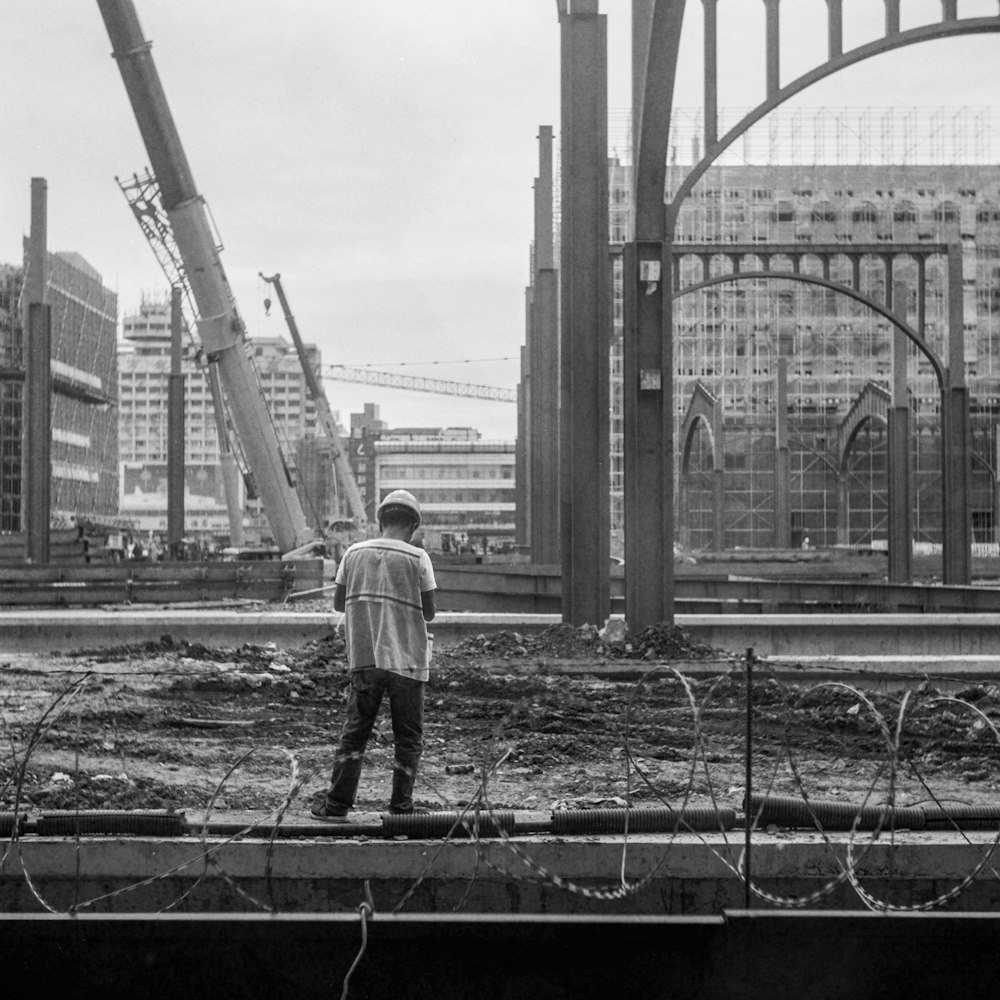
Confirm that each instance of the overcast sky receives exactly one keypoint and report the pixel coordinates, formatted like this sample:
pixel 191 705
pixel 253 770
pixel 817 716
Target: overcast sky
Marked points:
pixel 380 154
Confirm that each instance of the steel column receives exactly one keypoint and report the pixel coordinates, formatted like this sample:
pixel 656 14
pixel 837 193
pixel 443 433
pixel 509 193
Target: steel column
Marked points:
pixel 957 568
pixel 892 17
pixel 586 318
pixel 522 482
pixel 648 346
pixel 175 431
pixel 782 473
pixel 718 505
pixel 543 365
pixel 711 33
pixel 835 27
pixel 37 489
pixel 773 32
pixel 900 505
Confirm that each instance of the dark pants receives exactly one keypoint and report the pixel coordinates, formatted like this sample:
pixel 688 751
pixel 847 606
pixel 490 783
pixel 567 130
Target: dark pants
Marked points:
pixel 406 704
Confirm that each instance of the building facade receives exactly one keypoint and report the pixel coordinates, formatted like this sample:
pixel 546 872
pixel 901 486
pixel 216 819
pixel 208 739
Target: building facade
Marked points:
pixel 740 347
pixel 84 432
pixel 465 485
pixel 144 364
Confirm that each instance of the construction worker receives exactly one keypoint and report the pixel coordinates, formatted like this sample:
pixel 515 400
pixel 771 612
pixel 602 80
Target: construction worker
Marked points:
pixel 385 588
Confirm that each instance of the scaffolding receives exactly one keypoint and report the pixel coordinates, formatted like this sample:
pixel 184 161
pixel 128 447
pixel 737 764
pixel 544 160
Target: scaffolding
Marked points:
pixel 801 177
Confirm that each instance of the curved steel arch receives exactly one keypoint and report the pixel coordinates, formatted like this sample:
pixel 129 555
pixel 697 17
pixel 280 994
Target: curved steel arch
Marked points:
pixel 703 407
pixel 858 415
pixel 809 279
pixel 901 39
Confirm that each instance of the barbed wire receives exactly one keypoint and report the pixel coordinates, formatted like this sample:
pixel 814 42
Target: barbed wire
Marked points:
pixel 480 813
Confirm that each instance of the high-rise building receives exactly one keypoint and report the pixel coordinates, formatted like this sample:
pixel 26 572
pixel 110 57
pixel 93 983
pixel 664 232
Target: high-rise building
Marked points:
pixel 84 439
pixel 144 362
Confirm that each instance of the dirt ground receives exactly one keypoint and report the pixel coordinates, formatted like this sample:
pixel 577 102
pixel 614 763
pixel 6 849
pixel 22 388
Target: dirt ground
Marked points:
pixel 177 725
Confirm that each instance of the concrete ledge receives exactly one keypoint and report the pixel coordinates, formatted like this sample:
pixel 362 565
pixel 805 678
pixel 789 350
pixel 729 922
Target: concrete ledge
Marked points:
pixel 683 875
pixel 973 637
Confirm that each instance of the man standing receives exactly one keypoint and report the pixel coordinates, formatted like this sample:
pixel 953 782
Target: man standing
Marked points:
pixel 385 587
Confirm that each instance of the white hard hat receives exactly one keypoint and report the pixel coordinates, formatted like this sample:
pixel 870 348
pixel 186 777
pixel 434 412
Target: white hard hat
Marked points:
pixel 400 500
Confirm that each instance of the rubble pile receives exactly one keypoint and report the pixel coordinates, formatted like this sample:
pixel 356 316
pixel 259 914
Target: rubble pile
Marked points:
pixel 665 642
pixel 587 642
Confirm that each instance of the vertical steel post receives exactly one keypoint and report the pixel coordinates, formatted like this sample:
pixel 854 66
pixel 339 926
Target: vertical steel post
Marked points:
pixel 648 338
pixel 544 419
pixel 773 31
pixel 586 319
pixel 835 28
pixel 957 569
pixel 37 324
pixel 522 482
pixel 711 32
pixel 891 17
pixel 175 431
pixel 782 473
pixel 900 503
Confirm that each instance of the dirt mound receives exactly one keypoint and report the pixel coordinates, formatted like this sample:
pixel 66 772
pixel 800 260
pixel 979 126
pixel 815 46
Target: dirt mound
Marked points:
pixel 587 642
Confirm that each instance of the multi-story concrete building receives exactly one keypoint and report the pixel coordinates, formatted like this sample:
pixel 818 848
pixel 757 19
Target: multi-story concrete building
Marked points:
pixel 84 439
pixel 915 178
pixel 144 362
pixel 465 484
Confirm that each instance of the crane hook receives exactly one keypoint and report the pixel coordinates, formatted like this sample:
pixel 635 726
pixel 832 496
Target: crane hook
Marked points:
pixel 267 307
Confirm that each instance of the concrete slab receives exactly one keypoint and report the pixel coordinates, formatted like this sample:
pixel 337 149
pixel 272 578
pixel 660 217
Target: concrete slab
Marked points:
pixel 664 874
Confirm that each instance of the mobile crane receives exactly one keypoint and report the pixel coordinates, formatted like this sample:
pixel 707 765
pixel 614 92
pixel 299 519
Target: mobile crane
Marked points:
pixel 220 328
pixel 345 475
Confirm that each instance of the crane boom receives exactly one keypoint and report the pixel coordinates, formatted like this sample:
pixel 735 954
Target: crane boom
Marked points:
pixel 438 386
pixel 219 327
pixel 344 473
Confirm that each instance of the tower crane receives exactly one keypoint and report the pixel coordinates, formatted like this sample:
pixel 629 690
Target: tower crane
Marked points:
pixel 438 386
pixel 344 473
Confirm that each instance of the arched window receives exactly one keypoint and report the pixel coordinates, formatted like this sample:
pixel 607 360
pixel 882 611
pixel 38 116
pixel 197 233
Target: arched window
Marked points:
pixel 988 213
pixel 823 211
pixel 947 211
pixel 865 212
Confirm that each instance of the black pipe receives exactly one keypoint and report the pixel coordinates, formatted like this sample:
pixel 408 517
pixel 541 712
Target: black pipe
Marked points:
pixel 444 824
pixel 652 819
pixel 788 811
pixel 9 821
pixel 965 816
pixel 112 822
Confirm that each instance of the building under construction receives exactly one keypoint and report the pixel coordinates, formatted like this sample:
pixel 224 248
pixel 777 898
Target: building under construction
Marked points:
pixel 84 433
pixel 885 180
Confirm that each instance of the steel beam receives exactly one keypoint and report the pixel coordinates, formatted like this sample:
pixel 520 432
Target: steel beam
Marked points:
pixel 175 430
pixel 900 502
pixel 782 473
pixel 648 339
pixel 522 480
pixel 544 418
pixel 956 542
pixel 37 487
pixel 773 46
pixel 586 318
pixel 711 72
